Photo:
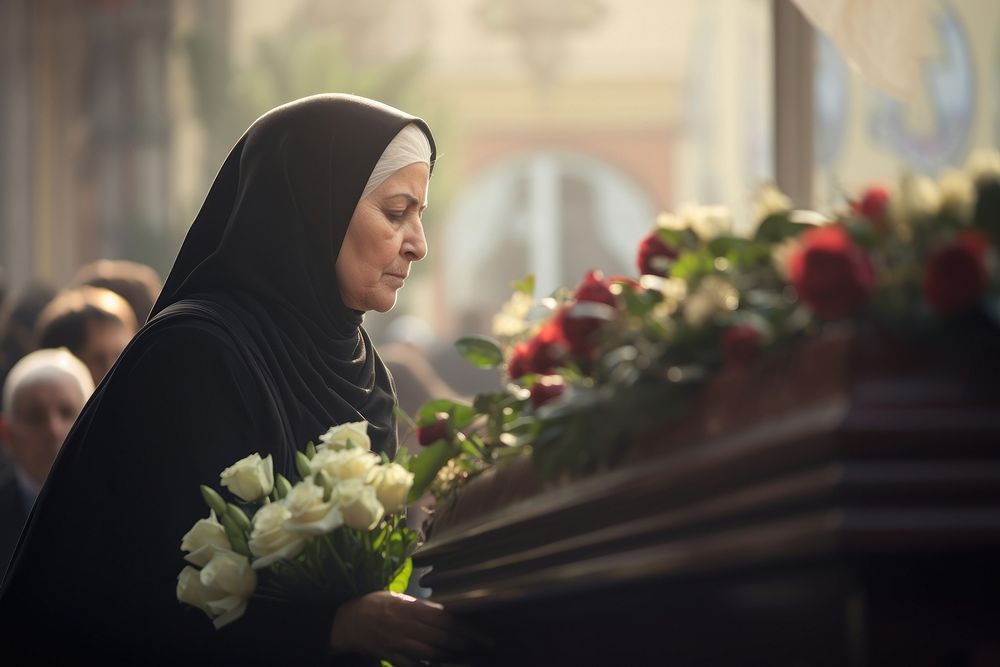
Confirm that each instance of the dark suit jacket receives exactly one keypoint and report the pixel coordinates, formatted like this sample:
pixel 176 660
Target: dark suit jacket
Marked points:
pixel 14 510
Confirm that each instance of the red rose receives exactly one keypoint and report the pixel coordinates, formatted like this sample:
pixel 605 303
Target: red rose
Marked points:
pixel 542 354
pixel 956 275
pixel 831 273
pixel 741 345
pixel 545 352
pixel 428 435
pixel 594 288
pixel 578 331
pixel 874 205
pixel 546 389
pixel 653 252
pixel 519 361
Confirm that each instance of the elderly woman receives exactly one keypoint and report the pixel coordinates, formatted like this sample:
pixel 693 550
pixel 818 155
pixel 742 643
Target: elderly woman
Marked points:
pixel 42 396
pixel 255 344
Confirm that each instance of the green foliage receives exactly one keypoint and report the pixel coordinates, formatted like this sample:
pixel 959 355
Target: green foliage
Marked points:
pixel 426 465
pixel 402 578
pixel 526 285
pixel 213 500
pixel 458 413
pixel 480 351
pixel 777 227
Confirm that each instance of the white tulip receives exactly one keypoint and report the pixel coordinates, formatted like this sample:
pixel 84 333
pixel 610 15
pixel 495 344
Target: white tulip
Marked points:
pixel 221 589
pixel 269 540
pixel 358 504
pixel 309 514
pixel 342 464
pixel 340 437
pixel 250 478
pixel 392 484
pixel 200 540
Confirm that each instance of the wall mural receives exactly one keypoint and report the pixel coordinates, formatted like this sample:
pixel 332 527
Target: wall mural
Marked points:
pixel 950 83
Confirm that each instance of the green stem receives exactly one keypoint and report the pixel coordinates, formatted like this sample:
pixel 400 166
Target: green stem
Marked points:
pixel 339 562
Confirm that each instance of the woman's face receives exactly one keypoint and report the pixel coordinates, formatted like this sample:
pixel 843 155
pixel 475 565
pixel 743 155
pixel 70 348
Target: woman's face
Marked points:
pixel 384 237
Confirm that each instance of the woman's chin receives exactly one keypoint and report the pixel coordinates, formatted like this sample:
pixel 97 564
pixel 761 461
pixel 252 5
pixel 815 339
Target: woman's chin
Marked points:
pixel 384 304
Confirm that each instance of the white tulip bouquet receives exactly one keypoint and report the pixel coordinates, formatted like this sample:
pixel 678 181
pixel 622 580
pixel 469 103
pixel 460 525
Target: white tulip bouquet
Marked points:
pixel 338 533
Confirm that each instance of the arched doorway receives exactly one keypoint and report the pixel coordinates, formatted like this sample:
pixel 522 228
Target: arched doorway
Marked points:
pixel 553 214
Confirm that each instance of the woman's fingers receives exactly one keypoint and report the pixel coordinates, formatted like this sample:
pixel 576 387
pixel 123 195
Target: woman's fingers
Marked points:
pixel 386 623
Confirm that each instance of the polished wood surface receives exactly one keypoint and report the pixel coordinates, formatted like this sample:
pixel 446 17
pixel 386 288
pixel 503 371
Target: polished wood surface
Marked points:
pixel 847 492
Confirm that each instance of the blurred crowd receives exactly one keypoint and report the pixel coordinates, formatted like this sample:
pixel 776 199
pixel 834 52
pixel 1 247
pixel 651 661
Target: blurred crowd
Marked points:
pixel 56 345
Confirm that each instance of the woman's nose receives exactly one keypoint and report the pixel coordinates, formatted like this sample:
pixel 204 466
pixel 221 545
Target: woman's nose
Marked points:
pixel 415 245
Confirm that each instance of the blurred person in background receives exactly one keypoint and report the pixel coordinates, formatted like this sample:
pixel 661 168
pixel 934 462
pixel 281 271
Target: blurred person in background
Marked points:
pixel 408 339
pixel 137 283
pixel 42 396
pixel 93 323
pixel 17 324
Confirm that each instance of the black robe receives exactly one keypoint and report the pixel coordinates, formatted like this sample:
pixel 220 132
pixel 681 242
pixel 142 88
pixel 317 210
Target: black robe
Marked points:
pixel 249 349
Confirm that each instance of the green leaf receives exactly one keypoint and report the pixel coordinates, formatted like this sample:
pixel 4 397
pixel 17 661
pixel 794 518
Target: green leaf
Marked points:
pixel 281 486
pixel 460 414
pixel 403 457
pixel 481 351
pixel 310 450
pixel 238 515
pixel 692 265
pixel 302 465
pixel 403 417
pixel 426 464
pixel 722 246
pixel 640 304
pixel 237 538
pixel 777 227
pixel 213 500
pixel 526 285
pixel 402 578
pixel 675 238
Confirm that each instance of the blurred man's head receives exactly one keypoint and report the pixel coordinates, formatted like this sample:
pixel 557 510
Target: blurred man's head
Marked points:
pixel 42 396
pixel 137 283
pixel 17 324
pixel 95 324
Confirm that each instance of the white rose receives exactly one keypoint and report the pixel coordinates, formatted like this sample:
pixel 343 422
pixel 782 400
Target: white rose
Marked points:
pixel 308 512
pixel 221 589
pixel 983 164
pixel 269 540
pixel 920 196
pixel 512 318
pixel 358 504
pixel 770 201
pixel 200 540
pixel 958 192
pixel 712 295
pixel 341 464
pixel 250 478
pixel 707 222
pixel 392 484
pixel 338 437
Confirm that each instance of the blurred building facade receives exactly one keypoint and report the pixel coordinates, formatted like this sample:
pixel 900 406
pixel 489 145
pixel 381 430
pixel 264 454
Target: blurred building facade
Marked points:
pixel 88 142
pixel 564 126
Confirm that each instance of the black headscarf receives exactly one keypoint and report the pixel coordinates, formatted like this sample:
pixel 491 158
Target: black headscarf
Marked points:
pixel 264 249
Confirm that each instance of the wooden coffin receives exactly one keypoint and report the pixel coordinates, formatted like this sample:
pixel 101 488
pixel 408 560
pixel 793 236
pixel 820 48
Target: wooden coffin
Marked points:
pixel 835 505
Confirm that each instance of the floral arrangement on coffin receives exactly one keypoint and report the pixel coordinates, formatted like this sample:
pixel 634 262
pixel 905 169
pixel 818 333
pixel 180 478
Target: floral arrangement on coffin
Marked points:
pixel 338 533
pixel 588 370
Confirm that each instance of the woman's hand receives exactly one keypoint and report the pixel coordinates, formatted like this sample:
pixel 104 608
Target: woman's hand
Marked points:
pixel 398 628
